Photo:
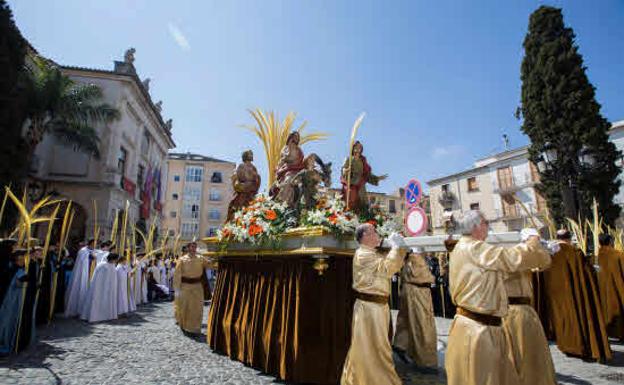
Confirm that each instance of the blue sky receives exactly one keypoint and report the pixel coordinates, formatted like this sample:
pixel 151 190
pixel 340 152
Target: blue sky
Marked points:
pixel 439 80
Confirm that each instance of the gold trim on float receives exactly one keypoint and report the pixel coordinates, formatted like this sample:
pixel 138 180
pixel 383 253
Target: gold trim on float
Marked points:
pixel 264 252
pixel 316 231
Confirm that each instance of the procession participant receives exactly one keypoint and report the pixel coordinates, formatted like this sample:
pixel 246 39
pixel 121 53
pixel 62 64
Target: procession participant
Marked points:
pixel 102 253
pixel 143 266
pixel 12 302
pixel 245 182
pixel 80 279
pixel 369 360
pixel 361 174
pixel 163 274
pixel 27 327
pixel 187 283
pixel 7 268
pixel 101 301
pixel 574 304
pixel 478 352
pixel 611 285
pixel 64 264
pixel 529 346
pixel 123 303
pixel 46 279
pixel 415 328
pixel 138 279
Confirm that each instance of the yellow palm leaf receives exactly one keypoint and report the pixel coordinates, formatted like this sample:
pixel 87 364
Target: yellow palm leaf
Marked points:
pixel 273 134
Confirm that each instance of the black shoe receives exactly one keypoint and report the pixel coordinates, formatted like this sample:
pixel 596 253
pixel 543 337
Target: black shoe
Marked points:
pixel 401 354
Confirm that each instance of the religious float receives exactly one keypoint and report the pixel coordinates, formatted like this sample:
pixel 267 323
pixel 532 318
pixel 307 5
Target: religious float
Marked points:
pixel 283 301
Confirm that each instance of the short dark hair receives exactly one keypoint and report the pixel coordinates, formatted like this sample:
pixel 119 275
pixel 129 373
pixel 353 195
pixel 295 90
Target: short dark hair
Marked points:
pixel 360 231
pixel 106 243
pixel 605 239
pixel 112 257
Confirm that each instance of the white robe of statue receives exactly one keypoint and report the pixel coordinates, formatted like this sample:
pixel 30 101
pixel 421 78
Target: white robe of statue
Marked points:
pixel 101 303
pixel 79 284
pixel 123 305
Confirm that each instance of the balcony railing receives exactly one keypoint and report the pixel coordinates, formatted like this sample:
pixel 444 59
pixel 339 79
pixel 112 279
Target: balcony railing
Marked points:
pixel 506 189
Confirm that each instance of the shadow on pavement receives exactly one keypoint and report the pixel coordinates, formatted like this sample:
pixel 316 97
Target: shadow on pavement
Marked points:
pixel 572 380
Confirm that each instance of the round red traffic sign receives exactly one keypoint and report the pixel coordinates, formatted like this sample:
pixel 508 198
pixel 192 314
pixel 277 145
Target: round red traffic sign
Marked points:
pixel 415 221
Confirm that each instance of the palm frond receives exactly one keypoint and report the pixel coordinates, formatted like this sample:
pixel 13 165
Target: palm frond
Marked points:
pixel 273 134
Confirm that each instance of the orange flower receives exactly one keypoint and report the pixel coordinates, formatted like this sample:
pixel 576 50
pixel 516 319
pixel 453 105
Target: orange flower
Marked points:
pixel 333 219
pixel 270 215
pixel 254 230
pixel 226 233
pixel 372 222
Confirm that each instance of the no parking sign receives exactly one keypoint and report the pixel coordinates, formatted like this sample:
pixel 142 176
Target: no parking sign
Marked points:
pixel 413 193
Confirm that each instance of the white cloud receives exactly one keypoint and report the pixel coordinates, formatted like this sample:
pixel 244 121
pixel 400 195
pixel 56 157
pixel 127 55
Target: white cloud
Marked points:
pixel 179 37
pixel 447 151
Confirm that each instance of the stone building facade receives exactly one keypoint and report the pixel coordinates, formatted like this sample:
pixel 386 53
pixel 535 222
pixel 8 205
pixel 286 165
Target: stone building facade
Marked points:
pixel 132 158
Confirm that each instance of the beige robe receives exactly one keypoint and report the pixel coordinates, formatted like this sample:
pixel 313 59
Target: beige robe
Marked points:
pixel 189 303
pixel 369 360
pixel 415 329
pixel 528 342
pixel 479 354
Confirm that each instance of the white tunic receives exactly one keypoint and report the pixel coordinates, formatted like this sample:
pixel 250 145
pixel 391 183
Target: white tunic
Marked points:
pixel 138 278
pixel 144 286
pixel 101 303
pixel 123 305
pixel 79 284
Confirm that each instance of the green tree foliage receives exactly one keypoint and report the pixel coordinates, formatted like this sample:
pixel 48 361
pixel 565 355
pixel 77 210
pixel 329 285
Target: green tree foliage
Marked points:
pixel 13 157
pixel 559 107
pixel 58 106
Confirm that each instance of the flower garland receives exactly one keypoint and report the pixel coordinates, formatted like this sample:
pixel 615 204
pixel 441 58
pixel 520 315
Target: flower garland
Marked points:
pixel 330 213
pixel 262 222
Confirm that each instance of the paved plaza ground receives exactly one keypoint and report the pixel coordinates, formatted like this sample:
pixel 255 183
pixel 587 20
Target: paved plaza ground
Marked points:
pixel 148 348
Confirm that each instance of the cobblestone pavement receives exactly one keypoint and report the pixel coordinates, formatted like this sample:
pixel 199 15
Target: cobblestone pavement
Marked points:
pixel 147 348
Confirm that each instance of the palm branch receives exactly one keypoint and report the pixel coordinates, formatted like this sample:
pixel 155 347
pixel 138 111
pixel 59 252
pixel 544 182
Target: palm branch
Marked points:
pixel 273 135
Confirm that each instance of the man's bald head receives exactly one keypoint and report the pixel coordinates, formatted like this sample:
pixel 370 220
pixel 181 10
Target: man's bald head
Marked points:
pixel 366 234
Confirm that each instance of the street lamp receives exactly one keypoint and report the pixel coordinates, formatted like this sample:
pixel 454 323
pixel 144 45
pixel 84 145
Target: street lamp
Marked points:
pixel 586 157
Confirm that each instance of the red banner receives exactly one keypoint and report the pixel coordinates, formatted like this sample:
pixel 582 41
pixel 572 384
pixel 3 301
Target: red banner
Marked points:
pixel 129 186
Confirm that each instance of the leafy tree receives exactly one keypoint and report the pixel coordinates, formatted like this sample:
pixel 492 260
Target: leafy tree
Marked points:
pixel 59 106
pixel 559 108
pixel 13 158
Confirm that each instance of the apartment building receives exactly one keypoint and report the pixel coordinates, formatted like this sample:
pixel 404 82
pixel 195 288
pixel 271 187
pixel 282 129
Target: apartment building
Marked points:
pixel 502 186
pixel 198 191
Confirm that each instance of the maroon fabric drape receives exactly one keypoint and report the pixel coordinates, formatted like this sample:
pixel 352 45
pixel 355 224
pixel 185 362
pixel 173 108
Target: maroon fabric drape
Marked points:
pixel 278 315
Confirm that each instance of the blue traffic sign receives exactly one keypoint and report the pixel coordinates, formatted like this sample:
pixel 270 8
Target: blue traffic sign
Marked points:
pixel 413 193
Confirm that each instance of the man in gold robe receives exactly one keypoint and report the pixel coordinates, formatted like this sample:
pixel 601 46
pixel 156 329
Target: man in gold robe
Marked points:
pixel 528 342
pixel 478 352
pixel 369 360
pixel 574 304
pixel 415 329
pixel 187 282
pixel 611 285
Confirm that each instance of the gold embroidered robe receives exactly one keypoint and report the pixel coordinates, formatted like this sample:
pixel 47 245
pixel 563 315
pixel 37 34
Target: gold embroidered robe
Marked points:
pixel 369 360
pixel 415 329
pixel 189 304
pixel 479 354
pixel 528 342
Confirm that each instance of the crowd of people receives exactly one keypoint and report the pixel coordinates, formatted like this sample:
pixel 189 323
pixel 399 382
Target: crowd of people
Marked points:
pixel 507 301
pixel 92 283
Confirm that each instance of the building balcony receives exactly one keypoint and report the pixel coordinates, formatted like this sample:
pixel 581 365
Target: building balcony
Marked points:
pixel 512 188
pixel 447 199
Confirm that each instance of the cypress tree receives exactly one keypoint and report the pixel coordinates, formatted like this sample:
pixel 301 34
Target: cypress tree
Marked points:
pixel 559 108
